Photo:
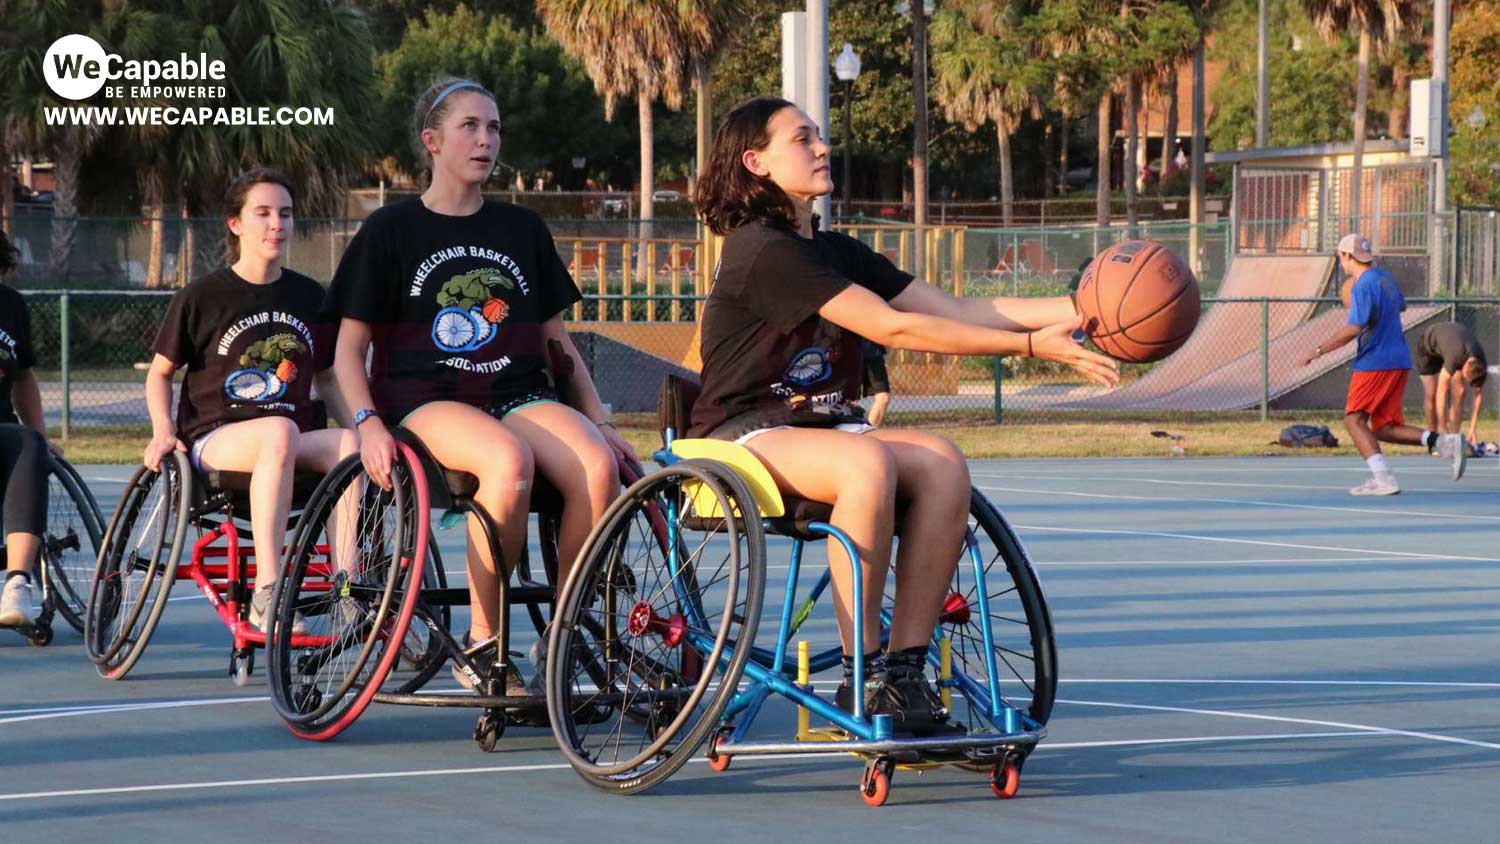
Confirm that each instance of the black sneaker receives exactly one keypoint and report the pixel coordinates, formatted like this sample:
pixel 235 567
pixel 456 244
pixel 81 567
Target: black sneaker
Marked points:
pixel 914 705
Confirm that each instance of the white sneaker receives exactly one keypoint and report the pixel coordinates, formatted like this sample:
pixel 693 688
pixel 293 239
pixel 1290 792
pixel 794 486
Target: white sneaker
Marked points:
pixel 1384 484
pixel 1453 447
pixel 15 602
pixel 260 607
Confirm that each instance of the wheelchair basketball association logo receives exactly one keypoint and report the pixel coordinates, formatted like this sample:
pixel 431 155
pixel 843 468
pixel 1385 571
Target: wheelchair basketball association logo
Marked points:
pixel 267 369
pixel 808 367
pixel 470 312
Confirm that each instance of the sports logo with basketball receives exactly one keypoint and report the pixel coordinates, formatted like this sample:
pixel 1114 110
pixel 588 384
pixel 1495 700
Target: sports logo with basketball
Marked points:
pixel 267 369
pixel 470 310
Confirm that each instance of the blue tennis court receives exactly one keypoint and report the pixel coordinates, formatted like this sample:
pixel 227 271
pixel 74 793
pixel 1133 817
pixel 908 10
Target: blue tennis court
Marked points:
pixel 1247 653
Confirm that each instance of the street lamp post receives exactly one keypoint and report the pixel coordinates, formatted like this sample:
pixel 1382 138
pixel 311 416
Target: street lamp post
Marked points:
pixel 846 68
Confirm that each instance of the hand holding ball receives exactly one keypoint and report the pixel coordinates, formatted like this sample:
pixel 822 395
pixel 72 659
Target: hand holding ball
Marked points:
pixel 1139 301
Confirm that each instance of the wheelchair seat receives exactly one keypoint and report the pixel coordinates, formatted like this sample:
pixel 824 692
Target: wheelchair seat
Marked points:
pixel 674 410
pixel 208 484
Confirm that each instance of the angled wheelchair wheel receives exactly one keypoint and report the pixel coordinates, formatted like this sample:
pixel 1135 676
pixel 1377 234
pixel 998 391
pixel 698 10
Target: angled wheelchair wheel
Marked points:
pixel 137 566
pixel 70 547
pixel 666 590
pixel 1022 648
pixel 354 573
pixel 422 654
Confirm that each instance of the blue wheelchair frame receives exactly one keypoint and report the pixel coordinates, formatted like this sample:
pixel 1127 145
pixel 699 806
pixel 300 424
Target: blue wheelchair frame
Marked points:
pixel 768 672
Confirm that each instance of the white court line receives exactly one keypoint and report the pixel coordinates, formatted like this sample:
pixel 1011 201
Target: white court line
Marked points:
pixel 1365 511
pixel 60 712
pixel 1282 719
pixel 121 481
pixel 1166 535
pixel 1198 682
pixel 554 766
pixel 1181 562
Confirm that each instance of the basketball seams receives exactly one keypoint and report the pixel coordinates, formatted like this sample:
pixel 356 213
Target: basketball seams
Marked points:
pixel 1119 341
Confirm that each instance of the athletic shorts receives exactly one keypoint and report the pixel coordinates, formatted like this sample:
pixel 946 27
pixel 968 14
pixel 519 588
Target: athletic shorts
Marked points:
pixel 504 408
pixel 1378 393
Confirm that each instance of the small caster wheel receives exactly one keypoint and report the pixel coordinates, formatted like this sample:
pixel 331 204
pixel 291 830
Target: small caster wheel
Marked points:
pixel 716 762
pixel 875 785
pixel 1005 778
pixel 241 664
pixel 41 637
pixel 308 698
pixel 489 729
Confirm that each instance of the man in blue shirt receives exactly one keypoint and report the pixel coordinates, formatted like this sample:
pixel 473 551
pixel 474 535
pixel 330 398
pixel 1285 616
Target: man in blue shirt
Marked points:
pixel 1372 412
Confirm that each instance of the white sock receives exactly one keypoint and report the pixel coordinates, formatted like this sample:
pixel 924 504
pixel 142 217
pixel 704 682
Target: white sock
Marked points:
pixel 1376 462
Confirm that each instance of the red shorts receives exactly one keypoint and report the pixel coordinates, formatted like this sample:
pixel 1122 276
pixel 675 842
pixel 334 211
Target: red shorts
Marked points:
pixel 1378 393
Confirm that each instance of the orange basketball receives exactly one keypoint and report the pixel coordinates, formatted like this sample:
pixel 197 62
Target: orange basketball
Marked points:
pixel 1139 301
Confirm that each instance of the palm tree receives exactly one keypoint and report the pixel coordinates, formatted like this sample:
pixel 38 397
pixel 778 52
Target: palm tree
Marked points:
pixel 32 26
pixel 982 74
pixel 1378 23
pixel 646 49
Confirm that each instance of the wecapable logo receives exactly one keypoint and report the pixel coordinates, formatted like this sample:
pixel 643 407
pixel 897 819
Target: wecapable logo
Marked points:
pixel 76 67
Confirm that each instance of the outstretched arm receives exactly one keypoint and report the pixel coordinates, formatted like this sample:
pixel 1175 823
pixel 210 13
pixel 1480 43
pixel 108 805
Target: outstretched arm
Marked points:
pixel 1006 313
pixel 866 314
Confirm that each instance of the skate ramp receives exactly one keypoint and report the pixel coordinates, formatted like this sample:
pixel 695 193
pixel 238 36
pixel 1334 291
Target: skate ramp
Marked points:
pixel 1228 331
pixel 1236 385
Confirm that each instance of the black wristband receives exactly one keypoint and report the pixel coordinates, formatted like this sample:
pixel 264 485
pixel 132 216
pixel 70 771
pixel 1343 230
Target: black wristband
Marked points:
pixel 1029 352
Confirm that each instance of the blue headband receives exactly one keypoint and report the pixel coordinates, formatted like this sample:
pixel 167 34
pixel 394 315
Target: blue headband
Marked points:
pixel 446 91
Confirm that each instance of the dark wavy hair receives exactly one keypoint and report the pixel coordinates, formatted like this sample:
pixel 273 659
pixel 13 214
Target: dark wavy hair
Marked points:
pixel 728 194
pixel 8 255
pixel 234 201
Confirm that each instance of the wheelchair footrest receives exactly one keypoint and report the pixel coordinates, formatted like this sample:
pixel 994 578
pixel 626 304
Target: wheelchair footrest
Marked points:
pixel 895 747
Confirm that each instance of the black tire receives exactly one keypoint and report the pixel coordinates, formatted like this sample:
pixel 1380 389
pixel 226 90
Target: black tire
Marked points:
pixel 1021 626
pixel 137 566
pixel 320 687
pixel 660 708
pixel 70 548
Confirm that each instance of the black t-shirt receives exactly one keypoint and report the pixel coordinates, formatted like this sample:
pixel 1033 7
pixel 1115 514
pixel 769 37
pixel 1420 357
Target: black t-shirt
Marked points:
pixel 1446 346
pixel 250 350
pixel 455 304
pixel 765 349
pixel 16 353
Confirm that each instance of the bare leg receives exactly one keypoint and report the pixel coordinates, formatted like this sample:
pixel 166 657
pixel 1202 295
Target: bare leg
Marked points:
pixel 570 452
pixel 1429 402
pixel 320 451
pixel 1358 426
pixel 469 440
pixel 933 479
pixel 1402 434
pixel 267 449
pixel 857 475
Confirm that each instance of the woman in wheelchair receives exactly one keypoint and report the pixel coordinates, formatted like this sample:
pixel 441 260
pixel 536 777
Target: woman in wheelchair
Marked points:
pixel 249 336
pixel 462 298
pixel 23 452
pixel 782 366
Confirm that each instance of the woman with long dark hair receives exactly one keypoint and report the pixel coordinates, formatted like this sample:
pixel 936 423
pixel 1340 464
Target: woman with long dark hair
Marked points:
pixel 782 366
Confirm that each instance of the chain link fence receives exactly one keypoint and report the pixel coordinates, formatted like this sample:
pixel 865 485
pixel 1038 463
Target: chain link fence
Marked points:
pixel 1245 359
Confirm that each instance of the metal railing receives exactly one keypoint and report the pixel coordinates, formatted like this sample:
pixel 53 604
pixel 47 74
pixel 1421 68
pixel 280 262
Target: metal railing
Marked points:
pixel 93 348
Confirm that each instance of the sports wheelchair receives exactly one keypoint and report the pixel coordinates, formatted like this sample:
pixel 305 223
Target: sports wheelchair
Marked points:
pixel 663 632
pixel 69 546
pixel 159 513
pixel 321 683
